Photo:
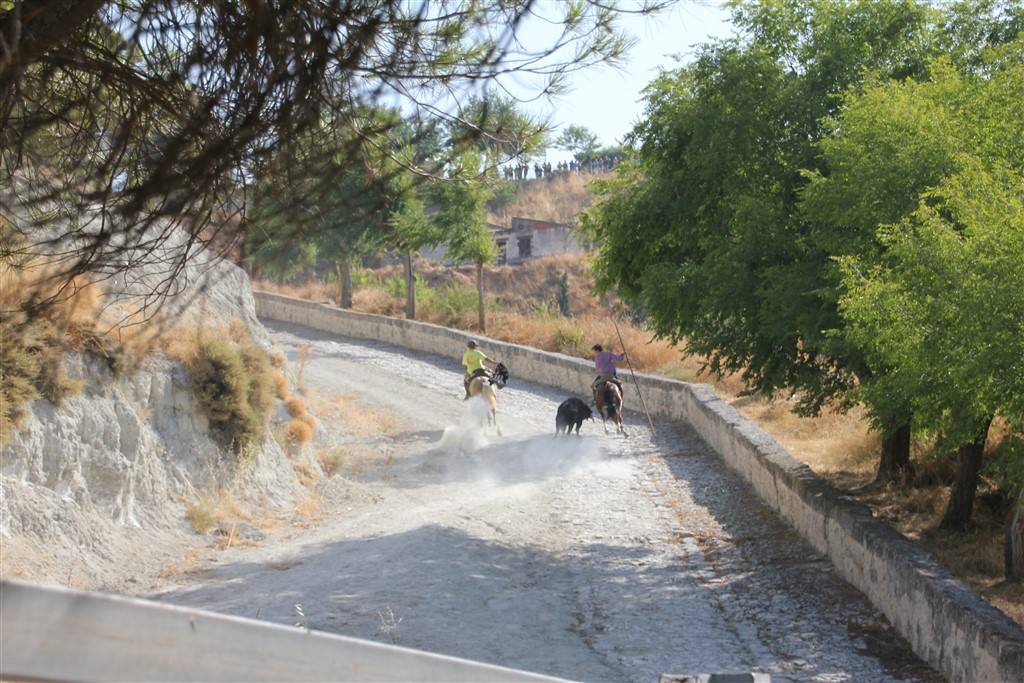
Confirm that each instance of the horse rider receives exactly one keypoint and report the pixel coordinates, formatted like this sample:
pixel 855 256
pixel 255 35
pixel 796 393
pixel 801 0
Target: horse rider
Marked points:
pixel 476 364
pixel 604 362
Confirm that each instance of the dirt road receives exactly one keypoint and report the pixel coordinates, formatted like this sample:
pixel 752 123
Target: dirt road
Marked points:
pixel 598 558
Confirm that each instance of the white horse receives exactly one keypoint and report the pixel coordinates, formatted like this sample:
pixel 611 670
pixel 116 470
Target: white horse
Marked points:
pixel 487 388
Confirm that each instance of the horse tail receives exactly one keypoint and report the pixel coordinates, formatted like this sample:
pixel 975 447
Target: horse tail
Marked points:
pixel 609 400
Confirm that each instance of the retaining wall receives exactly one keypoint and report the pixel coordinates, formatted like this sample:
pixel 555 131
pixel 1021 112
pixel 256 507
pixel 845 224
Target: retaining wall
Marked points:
pixel 946 623
pixel 55 634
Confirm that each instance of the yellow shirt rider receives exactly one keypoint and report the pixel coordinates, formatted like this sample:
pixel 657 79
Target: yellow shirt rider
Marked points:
pixel 476 364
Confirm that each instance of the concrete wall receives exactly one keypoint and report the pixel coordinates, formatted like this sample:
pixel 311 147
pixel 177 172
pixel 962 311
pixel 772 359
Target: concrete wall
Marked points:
pixel 947 624
pixel 54 634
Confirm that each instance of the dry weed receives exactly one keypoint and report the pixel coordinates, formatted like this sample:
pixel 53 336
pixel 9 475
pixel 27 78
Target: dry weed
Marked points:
pixel 299 432
pixel 296 406
pixel 309 508
pixel 201 515
pixel 281 384
pixel 305 351
pixel 331 461
pixel 559 199
pixel 304 473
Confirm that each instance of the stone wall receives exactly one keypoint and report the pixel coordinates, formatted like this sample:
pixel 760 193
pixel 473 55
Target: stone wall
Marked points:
pixel 946 623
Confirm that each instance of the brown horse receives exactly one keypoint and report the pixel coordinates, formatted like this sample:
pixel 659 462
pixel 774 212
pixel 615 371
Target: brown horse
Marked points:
pixel 608 399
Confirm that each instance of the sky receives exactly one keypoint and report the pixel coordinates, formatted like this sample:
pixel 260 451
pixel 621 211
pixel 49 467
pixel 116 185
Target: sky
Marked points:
pixel 608 100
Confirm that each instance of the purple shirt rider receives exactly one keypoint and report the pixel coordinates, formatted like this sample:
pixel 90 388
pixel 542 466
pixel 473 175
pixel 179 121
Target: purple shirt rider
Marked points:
pixel 603 362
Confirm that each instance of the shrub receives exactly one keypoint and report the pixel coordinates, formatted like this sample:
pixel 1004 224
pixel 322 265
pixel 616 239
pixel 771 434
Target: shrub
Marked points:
pixel 261 378
pixel 295 406
pixel 233 385
pixel 31 365
pixel 563 298
pixel 18 371
pixel 299 431
pixel 395 286
pixel 200 515
pixel 569 340
pixel 331 461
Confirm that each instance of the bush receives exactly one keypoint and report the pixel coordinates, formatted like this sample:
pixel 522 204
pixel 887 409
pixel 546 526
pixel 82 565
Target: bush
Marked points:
pixel 395 286
pixel 31 365
pixel 234 386
pixel 457 301
pixel 200 515
pixel 299 431
pixel 570 340
pixel 296 408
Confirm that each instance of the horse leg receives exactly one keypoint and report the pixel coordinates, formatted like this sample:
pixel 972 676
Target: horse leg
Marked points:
pixel 494 417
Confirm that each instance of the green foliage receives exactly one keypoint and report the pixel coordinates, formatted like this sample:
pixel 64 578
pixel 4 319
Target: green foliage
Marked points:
pixel 570 340
pixel 942 307
pixel 874 211
pixel 718 230
pixel 579 140
pixel 497 128
pixel 201 515
pixel 503 193
pixel 455 301
pixel 563 300
pixel 461 215
pixel 234 386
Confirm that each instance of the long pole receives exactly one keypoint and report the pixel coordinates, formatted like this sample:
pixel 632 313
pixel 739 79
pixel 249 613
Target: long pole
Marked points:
pixel 622 345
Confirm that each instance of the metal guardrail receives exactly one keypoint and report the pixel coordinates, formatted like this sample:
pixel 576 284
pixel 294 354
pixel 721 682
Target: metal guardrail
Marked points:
pixel 55 634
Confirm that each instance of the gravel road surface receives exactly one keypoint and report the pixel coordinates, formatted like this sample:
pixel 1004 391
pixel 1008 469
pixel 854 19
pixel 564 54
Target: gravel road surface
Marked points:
pixel 593 558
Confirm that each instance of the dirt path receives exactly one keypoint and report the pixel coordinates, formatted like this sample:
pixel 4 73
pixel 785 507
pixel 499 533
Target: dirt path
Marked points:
pixel 596 558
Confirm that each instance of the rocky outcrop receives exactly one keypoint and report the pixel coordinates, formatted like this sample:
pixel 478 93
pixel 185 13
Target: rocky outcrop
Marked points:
pixel 100 485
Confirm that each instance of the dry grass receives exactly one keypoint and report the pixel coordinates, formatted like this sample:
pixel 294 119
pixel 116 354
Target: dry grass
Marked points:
pixel 354 416
pixel 305 352
pixel 299 432
pixel 315 290
pixel 201 514
pixel 34 338
pixel 331 461
pixel 559 199
pixel 281 389
pixel 309 509
pixel 295 406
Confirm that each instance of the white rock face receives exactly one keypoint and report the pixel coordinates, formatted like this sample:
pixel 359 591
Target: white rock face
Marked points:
pixel 100 484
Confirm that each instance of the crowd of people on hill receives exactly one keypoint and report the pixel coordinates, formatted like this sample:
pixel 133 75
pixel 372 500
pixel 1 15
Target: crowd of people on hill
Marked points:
pixel 594 165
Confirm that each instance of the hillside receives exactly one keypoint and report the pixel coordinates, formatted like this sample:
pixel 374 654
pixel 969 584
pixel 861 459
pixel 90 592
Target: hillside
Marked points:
pixel 558 199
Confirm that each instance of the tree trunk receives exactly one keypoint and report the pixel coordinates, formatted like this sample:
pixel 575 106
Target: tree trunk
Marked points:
pixel 480 295
pixel 1015 543
pixel 410 289
pixel 345 273
pixel 894 465
pixel 961 500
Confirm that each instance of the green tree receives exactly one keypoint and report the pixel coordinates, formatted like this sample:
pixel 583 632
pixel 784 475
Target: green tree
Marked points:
pixel 563 299
pixel 412 229
pixel 139 111
pixel 934 168
pixel 325 205
pixel 461 217
pixel 580 141
pixel 497 128
pixel 703 230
